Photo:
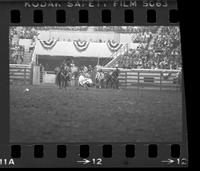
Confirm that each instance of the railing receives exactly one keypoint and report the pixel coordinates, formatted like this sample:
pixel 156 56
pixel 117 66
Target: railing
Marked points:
pixel 148 78
pixel 20 74
pixel 154 37
pixel 117 54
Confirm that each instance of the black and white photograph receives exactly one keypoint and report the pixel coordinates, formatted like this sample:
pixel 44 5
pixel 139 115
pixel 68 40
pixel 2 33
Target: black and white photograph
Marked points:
pixel 95 84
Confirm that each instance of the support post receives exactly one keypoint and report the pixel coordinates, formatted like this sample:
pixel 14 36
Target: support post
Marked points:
pixel 98 62
pixel 31 75
pixel 24 76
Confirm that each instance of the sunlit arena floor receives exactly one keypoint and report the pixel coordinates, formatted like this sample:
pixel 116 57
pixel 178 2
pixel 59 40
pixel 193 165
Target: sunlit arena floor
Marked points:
pixel 48 114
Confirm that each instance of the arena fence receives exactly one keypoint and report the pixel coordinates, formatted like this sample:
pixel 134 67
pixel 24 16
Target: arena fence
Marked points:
pixel 20 74
pixel 148 78
pixel 128 78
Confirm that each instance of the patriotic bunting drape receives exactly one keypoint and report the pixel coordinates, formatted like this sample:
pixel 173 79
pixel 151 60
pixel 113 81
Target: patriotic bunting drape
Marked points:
pixel 81 45
pixel 113 46
pixel 48 44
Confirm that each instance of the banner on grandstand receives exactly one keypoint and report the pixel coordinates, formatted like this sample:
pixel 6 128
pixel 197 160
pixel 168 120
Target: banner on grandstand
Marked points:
pixel 81 45
pixel 48 44
pixel 113 46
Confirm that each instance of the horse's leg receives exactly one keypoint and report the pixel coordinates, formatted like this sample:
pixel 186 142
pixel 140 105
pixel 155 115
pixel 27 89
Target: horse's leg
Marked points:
pixel 106 83
pixel 65 84
pixel 57 80
pixel 86 86
pixel 97 83
pixel 59 83
pixel 117 84
pixel 78 84
pixel 101 84
pixel 111 84
pixel 62 83
pixel 114 84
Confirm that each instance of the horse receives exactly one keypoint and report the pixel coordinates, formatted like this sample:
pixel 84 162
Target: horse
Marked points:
pixel 63 77
pixel 112 79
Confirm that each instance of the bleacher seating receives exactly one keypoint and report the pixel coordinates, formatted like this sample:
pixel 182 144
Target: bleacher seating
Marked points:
pixel 162 52
pixel 163 49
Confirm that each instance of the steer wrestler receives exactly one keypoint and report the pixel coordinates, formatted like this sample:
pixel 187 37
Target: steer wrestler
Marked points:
pixel 84 81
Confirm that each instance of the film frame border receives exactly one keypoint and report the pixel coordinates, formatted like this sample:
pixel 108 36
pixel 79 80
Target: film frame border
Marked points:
pixel 73 153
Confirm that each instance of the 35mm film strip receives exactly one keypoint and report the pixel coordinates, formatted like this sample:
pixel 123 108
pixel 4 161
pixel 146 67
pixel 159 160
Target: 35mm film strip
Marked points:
pixel 92 84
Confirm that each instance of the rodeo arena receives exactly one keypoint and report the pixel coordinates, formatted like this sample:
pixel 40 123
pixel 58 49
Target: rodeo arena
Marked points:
pixel 95 84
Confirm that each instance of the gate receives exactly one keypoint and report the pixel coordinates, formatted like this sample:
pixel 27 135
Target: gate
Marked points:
pixel 49 77
pixel 36 75
pixel 20 74
pixel 40 76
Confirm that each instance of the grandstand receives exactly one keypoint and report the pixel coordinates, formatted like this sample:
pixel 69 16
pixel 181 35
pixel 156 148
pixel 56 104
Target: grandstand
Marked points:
pixel 157 47
pixel 161 52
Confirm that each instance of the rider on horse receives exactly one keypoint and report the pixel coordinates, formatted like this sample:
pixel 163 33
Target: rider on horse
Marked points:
pixel 115 75
pixel 63 75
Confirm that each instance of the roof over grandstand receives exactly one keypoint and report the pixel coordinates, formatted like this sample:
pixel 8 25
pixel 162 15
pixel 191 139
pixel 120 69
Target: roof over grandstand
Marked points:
pixel 64 48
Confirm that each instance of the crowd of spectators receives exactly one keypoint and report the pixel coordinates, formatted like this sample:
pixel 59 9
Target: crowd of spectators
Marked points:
pixel 118 29
pixel 164 53
pixel 143 37
pixel 23 32
pixel 139 34
pixel 16 54
pixel 127 29
pixel 17 51
pixel 63 28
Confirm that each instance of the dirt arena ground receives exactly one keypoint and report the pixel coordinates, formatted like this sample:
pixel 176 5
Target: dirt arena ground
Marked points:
pixel 48 114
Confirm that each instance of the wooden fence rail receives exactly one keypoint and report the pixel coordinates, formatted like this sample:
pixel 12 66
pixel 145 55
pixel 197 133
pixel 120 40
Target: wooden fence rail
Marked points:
pixel 128 78
pixel 20 74
pixel 148 78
